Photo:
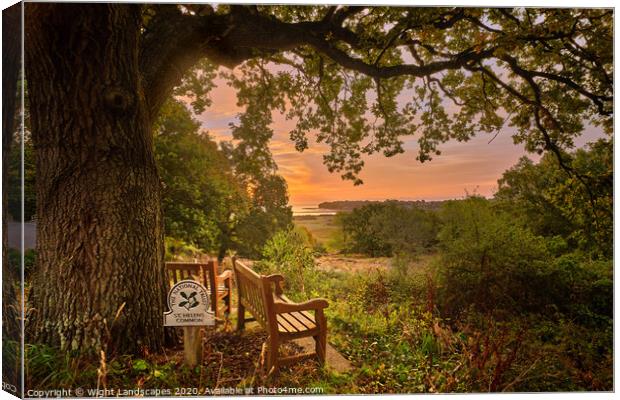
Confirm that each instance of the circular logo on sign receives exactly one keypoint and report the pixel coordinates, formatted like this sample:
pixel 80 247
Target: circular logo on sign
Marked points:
pixel 188 304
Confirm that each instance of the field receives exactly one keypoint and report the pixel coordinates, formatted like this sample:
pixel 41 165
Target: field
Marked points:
pixel 323 228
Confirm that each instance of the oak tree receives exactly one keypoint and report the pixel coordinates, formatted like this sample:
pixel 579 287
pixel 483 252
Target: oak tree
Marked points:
pixel 359 79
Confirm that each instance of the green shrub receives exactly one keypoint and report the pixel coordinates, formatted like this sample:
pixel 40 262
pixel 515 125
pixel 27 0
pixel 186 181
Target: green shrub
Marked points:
pixel 400 347
pixel 582 288
pixel 493 264
pixel 385 229
pixel 577 205
pixel 289 254
pixel 177 249
pixel 488 262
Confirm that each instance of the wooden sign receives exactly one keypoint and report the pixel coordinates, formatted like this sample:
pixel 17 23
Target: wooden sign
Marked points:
pixel 188 305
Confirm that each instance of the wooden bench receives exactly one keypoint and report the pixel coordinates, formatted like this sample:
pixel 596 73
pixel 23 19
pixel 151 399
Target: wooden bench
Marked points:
pixel 282 319
pixel 208 275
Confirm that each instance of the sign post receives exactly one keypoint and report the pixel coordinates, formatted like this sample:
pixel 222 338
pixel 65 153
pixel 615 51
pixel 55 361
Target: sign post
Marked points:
pixel 188 306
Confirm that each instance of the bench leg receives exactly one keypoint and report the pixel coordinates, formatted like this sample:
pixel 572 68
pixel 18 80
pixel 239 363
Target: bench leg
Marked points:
pixel 272 355
pixel 214 308
pixel 320 347
pixel 240 317
pixel 320 340
pixel 214 302
pixel 227 298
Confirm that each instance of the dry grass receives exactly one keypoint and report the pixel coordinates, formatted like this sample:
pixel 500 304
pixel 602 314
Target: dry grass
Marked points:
pixel 359 263
pixel 323 228
pixel 352 263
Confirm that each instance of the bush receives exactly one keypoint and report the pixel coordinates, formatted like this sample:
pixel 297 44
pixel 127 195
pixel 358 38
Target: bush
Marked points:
pixel 488 262
pixel 582 289
pixel 288 253
pixel 577 206
pixel 386 229
pixel 177 249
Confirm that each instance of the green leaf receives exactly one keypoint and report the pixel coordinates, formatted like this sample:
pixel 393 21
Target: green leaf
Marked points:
pixel 183 304
pixel 140 365
pixel 183 295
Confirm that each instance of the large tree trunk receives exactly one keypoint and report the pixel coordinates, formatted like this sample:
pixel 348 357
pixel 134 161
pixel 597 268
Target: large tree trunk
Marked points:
pixel 100 279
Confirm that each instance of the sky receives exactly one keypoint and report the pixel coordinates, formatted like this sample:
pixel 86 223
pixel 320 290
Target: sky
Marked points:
pixel 471 167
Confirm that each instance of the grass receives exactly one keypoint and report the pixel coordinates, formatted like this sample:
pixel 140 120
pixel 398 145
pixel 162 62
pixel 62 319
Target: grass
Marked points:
pixel 382 321
pixel 386 324
pixel 383 318
pixel 229 360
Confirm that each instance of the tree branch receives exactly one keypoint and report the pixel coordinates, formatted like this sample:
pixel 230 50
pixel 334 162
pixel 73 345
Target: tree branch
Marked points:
pixel 171 44
pixel 596 99
pixel 174 41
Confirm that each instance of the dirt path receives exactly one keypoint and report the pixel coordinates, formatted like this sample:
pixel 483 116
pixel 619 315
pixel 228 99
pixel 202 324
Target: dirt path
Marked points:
pixel 352 263
pixel 360 263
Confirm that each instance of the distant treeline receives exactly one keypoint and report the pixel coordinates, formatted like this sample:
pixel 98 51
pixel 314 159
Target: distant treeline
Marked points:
pixel 350 205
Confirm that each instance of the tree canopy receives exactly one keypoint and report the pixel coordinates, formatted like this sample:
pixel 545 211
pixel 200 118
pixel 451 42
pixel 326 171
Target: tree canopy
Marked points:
pixel 554 203
pixel 364 78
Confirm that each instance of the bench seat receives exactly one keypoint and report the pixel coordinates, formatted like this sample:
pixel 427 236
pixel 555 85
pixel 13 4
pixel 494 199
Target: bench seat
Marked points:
pixel 296 322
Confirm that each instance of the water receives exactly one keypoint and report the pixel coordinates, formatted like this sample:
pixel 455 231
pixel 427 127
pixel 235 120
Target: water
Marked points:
pixel 302 210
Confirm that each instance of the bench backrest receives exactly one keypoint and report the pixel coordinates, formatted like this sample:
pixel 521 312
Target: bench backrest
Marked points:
pixel 178 271
pixel 254 293
pixel 204 272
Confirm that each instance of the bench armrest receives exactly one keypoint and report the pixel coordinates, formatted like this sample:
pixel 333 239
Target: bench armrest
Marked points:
pixel 225 275
pixel 313 304
pixel 276 279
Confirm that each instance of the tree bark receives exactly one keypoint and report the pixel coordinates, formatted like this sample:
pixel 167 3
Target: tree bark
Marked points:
pixel 100 281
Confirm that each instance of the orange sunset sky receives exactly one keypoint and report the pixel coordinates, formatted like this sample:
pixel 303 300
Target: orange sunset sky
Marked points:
pixel 470 167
